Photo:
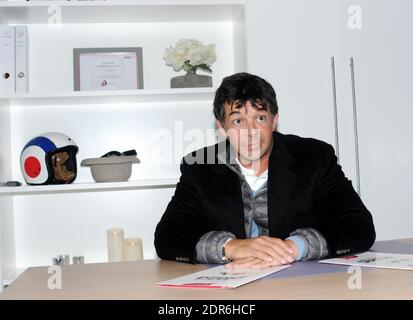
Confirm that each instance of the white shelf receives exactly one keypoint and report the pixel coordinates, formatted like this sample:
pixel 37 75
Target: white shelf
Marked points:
pixel 122 11
pixel 88 187
pixel 108 97
pixel 11 274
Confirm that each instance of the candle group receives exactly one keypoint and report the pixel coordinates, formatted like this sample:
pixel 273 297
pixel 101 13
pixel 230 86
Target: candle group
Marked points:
pixel 121 249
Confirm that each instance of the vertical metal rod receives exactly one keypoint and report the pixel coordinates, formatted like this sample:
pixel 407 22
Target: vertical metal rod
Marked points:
pixel 333 76
pixel 356 137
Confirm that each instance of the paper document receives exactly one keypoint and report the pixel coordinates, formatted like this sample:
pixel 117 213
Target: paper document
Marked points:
pixel 375 260
pixel 108 71
pixel 220 278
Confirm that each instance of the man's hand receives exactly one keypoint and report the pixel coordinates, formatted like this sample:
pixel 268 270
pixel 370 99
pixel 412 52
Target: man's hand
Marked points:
pixel 260 252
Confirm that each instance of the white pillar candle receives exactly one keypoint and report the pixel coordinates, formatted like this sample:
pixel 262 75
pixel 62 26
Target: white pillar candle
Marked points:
pixel 132 249
pixel 115 244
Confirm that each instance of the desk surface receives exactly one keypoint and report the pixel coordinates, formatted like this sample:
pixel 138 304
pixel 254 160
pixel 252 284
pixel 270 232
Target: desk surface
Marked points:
pixel 135 280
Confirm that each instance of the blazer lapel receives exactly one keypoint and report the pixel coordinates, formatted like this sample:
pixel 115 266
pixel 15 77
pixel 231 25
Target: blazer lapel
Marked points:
pixel 281 180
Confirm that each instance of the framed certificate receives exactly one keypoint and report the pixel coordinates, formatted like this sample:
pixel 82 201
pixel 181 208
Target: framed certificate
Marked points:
pixel 102 69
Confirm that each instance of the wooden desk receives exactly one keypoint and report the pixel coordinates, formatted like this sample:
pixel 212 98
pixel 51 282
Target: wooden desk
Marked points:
pixel 135 280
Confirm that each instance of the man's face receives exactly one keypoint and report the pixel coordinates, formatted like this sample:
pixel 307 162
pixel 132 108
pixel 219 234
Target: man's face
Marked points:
pixel 249 130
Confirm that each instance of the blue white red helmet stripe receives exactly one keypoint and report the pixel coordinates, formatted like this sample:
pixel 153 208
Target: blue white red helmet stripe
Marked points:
pixel 42 142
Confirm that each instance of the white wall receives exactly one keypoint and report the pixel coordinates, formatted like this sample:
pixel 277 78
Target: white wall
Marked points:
pixel 382 53
pixel 292 45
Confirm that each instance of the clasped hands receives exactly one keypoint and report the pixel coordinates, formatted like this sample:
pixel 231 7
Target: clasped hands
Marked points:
pixel 260 252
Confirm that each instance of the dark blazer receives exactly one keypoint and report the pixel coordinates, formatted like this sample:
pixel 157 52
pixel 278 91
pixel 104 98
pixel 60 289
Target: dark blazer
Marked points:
pixel 306 189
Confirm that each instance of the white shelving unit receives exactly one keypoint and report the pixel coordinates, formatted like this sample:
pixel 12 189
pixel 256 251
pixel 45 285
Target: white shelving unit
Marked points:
pixel 88 187
pixel 39 222
pixel 110 97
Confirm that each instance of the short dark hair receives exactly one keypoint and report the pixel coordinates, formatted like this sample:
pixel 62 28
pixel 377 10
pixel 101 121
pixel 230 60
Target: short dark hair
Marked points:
pixel 242 87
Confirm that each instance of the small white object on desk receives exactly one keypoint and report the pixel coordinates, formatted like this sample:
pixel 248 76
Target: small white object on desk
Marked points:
pixel 115 244
pixel 132 249
pixel 220 278
pixel 375 260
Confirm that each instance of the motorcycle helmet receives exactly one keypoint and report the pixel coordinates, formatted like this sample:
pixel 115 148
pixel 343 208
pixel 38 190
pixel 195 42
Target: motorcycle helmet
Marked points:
pixel 49 159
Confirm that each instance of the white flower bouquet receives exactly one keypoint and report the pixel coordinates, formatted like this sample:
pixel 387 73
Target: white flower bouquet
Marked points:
pixel 190 54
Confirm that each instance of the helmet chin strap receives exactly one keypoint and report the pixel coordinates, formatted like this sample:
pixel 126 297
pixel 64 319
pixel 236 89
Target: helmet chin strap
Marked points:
pixel 61 173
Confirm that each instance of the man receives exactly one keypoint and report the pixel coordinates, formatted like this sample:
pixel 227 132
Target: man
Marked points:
pixel 260 198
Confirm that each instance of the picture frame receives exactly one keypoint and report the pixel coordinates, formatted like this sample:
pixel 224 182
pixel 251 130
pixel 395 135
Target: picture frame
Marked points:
pixel 103 69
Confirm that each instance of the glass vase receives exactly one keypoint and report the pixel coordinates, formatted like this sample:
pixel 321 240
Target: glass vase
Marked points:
pixel 191 80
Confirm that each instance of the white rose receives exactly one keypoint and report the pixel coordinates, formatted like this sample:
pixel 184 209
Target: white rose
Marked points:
pixel 188 44
pixel 197 56
pixel 169 56
pixel 204 54
pixel 174 58
pixel 189 50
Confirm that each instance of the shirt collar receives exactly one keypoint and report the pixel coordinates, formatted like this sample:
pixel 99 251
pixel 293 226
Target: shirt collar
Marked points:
pixel 250 172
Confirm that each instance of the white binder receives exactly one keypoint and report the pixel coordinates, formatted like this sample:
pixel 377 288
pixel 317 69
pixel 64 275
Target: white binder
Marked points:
pixel 7 59
pixel 22 60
